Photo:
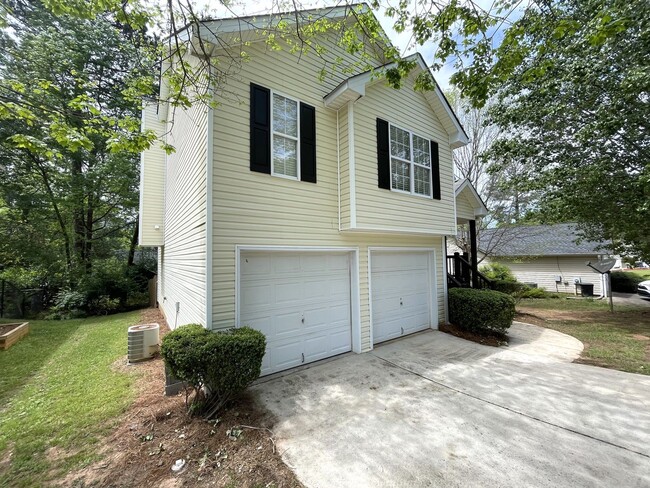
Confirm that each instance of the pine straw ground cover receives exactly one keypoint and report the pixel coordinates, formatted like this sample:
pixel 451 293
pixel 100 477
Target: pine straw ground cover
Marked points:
pixel 619 340
pixel 126 433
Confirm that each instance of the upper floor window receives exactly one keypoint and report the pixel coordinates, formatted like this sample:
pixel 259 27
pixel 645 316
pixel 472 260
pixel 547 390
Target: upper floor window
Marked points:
pixel 282 135
pixel 410 162
pixel 285 142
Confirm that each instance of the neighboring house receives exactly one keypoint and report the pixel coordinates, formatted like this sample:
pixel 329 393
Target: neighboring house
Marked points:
pixel 314 211
pixel 551 256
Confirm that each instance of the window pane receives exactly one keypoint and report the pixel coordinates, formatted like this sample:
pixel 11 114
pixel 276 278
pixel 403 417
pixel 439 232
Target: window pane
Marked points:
pixel 421 151
pixel 285 116
pixel 285 156
pixel 421 182
pixel 400 145
pixel 401 175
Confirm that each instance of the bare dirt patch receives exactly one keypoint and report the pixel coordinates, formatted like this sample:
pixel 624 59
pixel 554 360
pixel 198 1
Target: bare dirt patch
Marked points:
pixel 488 339
pixel 156 432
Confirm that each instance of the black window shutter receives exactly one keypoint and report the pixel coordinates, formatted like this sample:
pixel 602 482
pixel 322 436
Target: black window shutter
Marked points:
pixel 260 129
pixel 383 154
pixel 307 143
pixel 435 170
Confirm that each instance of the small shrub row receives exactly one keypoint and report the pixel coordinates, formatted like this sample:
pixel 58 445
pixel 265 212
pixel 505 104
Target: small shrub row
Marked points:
pixel 216 365
pixel 481 310
pixel 537 293
pixel 508 287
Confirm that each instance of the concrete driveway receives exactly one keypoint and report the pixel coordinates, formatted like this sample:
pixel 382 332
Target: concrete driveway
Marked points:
pixel 434 410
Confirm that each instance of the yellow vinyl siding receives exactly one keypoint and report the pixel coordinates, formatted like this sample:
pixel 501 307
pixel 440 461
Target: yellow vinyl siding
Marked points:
pixel 183 277
pixel 152 183
pixel 543 270
pixel 388 210
pixel 464 209
pixel 257 209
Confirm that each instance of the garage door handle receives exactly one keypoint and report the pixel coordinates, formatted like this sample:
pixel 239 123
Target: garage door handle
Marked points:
pixel 303 320
pixel 303 357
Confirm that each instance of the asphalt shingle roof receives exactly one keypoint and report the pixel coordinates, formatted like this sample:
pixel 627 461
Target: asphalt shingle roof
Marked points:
pixel 537 240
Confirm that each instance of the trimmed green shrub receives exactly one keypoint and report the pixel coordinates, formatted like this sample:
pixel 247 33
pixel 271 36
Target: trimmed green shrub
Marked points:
pixel 497 271
pixel 625 282
pixel 508 287
pixel 216 365
pixel 481 310
pixel 537 293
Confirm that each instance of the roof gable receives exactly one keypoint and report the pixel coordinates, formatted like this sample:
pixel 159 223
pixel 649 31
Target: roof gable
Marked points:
pixel 464 188
pixel 221 32
pixel 355 87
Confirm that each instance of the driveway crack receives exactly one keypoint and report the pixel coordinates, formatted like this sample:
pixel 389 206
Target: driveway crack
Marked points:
pixel 509 409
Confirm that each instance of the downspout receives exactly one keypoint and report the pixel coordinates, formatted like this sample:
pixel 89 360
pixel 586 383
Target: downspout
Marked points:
pixel 338 164
pixel 209 213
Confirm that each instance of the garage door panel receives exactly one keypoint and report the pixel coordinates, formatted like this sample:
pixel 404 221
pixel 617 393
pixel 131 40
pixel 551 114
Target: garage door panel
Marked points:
pixel 401 294
pixel 257 296
pixel 285 264
pixel 256 264
pixel 287 294
pixel 321 346
pixel 286 324
pixel 283 355
pixel 303 307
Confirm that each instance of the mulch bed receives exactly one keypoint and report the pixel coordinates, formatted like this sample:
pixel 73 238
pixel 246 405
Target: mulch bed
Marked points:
pixel 156 432
pixel 487 339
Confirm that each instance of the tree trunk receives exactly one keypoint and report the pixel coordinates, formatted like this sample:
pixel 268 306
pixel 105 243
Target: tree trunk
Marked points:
pixel 134 243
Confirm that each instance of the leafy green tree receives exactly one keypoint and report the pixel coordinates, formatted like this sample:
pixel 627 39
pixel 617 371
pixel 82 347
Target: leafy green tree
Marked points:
pixel 69 136
pixel 576 119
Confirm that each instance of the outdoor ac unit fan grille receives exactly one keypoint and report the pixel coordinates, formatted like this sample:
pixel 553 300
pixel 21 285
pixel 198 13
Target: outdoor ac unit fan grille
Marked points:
pixel 143 341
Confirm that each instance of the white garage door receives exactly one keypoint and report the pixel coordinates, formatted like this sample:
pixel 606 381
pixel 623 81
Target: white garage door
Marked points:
pixel 300 301
pixel 402 293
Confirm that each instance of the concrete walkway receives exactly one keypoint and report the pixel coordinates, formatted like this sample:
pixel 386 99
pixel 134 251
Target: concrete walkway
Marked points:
pixel 435 410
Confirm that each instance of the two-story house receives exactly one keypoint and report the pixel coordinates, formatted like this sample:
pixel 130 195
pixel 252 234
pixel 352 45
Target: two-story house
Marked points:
pixel 313 210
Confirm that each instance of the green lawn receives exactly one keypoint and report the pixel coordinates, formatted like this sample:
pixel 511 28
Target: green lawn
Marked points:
pixel 59 394
pixel 643 273
pixel 619 341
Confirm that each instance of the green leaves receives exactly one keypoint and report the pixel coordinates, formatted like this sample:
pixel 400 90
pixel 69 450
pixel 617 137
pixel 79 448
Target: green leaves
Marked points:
pixel 575 113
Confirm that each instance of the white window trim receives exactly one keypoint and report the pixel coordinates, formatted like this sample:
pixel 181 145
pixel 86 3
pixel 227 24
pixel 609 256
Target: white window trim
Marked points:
pixel 297 139
pixel 411 164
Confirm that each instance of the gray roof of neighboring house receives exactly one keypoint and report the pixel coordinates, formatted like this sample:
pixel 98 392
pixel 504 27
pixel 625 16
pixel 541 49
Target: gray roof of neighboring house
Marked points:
pixel 538 240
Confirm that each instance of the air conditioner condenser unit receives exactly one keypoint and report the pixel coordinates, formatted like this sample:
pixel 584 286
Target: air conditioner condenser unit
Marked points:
pixel 144 342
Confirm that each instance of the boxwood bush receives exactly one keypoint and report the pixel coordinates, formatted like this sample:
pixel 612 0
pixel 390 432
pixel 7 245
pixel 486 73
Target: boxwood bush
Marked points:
pixel 481 311
pixel 625 282
pixel 216 365
pixel 508 287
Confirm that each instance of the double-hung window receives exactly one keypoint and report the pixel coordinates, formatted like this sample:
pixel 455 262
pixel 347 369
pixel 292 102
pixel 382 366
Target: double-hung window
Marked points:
pixel 285 145
pixel 410 162
pixel 282 135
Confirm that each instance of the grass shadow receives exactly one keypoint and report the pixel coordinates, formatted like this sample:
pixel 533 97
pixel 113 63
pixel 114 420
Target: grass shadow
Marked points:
pixel 26 357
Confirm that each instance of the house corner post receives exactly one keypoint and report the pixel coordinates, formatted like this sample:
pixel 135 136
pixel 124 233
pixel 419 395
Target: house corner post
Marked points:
pixel 473 253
